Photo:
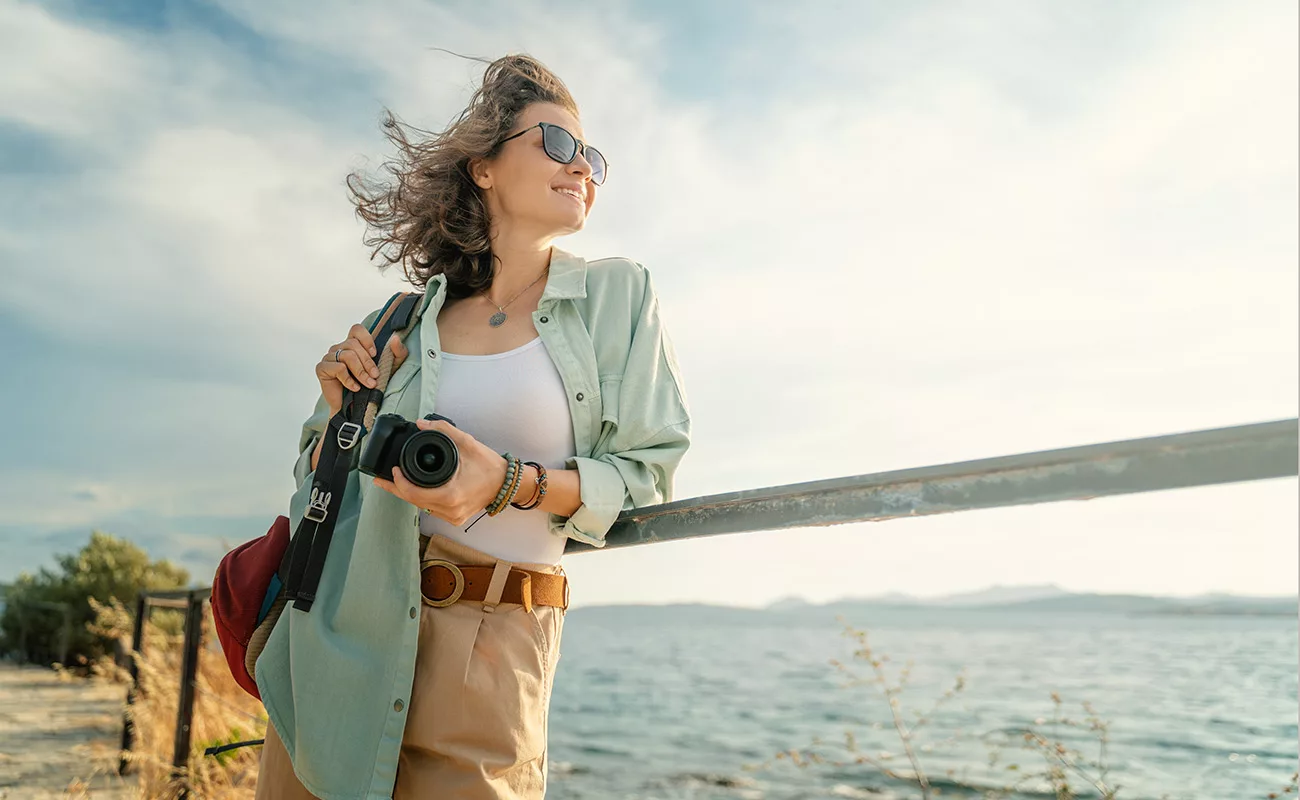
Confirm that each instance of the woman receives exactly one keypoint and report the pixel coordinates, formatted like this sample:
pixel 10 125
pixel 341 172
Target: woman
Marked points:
pixel 409 679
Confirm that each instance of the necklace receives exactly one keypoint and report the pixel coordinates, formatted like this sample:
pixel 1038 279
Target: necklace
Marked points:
pixel 498 319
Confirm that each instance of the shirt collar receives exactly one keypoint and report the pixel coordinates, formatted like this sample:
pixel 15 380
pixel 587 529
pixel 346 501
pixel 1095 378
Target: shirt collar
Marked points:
pixel 568 276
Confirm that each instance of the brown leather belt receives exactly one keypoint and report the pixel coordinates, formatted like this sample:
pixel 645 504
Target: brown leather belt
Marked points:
pixel 443 583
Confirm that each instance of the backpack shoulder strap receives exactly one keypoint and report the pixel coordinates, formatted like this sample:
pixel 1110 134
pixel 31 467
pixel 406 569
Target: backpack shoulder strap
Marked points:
pixel 305 561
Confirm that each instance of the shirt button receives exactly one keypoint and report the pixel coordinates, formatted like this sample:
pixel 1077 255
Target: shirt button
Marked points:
pixel 412 614
pixel 544 319
pixel 399 705
pixel 580 396
pixel 432 353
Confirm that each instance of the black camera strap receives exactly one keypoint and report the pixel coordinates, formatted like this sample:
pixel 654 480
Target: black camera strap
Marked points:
pixel 304 561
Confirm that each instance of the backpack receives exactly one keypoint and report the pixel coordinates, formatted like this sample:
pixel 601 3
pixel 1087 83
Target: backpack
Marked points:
pixel 257 579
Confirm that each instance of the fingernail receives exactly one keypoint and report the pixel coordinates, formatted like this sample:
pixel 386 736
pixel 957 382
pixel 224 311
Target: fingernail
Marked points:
pixel 374 372
pixel 372 351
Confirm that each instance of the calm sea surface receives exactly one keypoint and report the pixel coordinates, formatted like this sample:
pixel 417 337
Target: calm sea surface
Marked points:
pixel 675 707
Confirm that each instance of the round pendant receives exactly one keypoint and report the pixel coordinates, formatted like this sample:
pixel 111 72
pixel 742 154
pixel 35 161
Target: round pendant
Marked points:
pixel 497 320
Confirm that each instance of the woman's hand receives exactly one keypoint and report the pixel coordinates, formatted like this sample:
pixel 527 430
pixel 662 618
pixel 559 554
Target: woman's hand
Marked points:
pixel 352 363
pixel 475 484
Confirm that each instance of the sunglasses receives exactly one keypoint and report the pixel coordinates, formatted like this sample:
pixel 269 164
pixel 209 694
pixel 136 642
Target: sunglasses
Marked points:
pixel 563 147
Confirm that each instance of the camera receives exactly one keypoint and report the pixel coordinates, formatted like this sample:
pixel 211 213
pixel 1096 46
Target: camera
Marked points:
pixel 426 458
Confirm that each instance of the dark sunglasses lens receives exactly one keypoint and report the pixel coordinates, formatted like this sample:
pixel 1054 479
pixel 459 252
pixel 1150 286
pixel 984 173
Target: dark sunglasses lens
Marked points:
pixel 559 144
pixel 598 165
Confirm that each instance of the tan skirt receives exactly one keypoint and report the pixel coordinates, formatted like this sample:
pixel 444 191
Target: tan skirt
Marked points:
pixel 478 716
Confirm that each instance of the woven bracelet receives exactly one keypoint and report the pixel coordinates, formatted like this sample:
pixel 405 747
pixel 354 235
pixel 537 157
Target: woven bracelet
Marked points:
pixel 541 487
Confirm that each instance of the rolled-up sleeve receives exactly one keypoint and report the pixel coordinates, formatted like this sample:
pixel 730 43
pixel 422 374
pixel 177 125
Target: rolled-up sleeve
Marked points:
pixel 614 482
pixel 636 466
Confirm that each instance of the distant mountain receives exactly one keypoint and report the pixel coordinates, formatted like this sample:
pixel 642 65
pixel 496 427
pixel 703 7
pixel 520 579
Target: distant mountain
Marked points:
pixel 994 595
pixel 1105 603
pixel 1003 595
pixel 1043 599
pixel 787 603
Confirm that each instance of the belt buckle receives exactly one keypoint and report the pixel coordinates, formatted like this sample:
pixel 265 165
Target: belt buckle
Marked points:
pixel 456 591
pixel 565 578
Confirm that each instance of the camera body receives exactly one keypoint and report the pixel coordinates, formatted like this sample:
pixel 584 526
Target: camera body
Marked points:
pixel 426 458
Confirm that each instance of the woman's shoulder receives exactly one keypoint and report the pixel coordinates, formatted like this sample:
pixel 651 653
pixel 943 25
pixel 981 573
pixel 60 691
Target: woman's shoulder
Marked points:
pixel 617 275
pixel 615 264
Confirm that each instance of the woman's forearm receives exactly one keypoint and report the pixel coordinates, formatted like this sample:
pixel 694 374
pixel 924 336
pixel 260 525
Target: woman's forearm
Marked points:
pixel 563 491
pixel 563 487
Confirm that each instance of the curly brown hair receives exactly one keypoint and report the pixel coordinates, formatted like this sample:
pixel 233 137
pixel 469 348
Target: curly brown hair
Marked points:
pixel 430 217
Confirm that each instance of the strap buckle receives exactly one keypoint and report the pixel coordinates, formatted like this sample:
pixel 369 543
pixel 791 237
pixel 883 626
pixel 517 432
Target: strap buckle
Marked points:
pixel 457 590
pixel 349 434
pixel 318 508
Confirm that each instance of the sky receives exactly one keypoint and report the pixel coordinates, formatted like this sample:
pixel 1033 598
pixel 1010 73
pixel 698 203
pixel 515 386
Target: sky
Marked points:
pixel 883 235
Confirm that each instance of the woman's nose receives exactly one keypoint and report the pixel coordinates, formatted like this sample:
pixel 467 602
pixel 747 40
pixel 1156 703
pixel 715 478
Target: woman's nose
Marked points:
pixel 579 165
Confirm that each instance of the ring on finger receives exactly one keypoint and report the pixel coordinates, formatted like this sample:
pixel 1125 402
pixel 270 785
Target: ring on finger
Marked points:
pixel 338 353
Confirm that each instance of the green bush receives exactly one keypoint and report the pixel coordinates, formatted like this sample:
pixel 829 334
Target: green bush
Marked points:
pixel 106 569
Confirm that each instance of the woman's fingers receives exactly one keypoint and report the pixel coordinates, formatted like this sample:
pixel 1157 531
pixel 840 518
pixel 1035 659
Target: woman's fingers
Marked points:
pixel 362 335
pixel 352 363
pixel 359 364
pixel 366 363
pixel 399 486
pixel 337 371
pixel 399 349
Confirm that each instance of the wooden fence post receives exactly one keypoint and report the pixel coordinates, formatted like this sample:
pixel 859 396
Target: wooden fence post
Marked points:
pixel 189 674
pixel 137 650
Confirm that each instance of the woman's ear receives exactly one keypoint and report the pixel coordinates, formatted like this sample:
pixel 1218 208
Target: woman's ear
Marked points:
pixel 479 173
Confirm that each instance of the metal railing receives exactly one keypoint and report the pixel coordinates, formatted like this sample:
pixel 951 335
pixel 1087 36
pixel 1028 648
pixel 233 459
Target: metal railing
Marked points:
pixel 1201 458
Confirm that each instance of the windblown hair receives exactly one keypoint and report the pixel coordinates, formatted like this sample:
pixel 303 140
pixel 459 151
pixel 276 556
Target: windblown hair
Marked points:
pixel 430 216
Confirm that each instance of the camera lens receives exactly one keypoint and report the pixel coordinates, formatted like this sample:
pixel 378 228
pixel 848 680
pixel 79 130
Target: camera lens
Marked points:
pixel 429 458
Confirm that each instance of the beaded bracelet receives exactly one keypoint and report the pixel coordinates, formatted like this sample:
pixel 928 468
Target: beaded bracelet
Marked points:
pixel 512 470
pixel 516 479
pixel 499 502
pixel 539 492
pixel 514 484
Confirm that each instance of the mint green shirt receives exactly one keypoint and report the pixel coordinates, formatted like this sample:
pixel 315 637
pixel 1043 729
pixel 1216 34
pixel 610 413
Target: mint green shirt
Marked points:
pixel 336 682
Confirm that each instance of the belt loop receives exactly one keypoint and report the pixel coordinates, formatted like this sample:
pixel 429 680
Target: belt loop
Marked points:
pixel 496 586
pixel 526 590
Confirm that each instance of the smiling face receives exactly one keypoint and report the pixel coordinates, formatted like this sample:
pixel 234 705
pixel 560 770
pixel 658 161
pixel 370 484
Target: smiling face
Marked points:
pixel 525 189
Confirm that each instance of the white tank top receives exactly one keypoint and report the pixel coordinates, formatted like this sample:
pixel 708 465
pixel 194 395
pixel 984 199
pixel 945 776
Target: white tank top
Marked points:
pixel 513 401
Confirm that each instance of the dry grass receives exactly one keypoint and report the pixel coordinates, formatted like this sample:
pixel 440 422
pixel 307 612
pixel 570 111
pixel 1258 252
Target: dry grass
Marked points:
pixel 1063 771
pixel 223 712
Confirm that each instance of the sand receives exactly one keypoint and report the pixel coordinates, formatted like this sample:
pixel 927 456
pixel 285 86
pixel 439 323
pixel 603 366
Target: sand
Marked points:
pixel 59 736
